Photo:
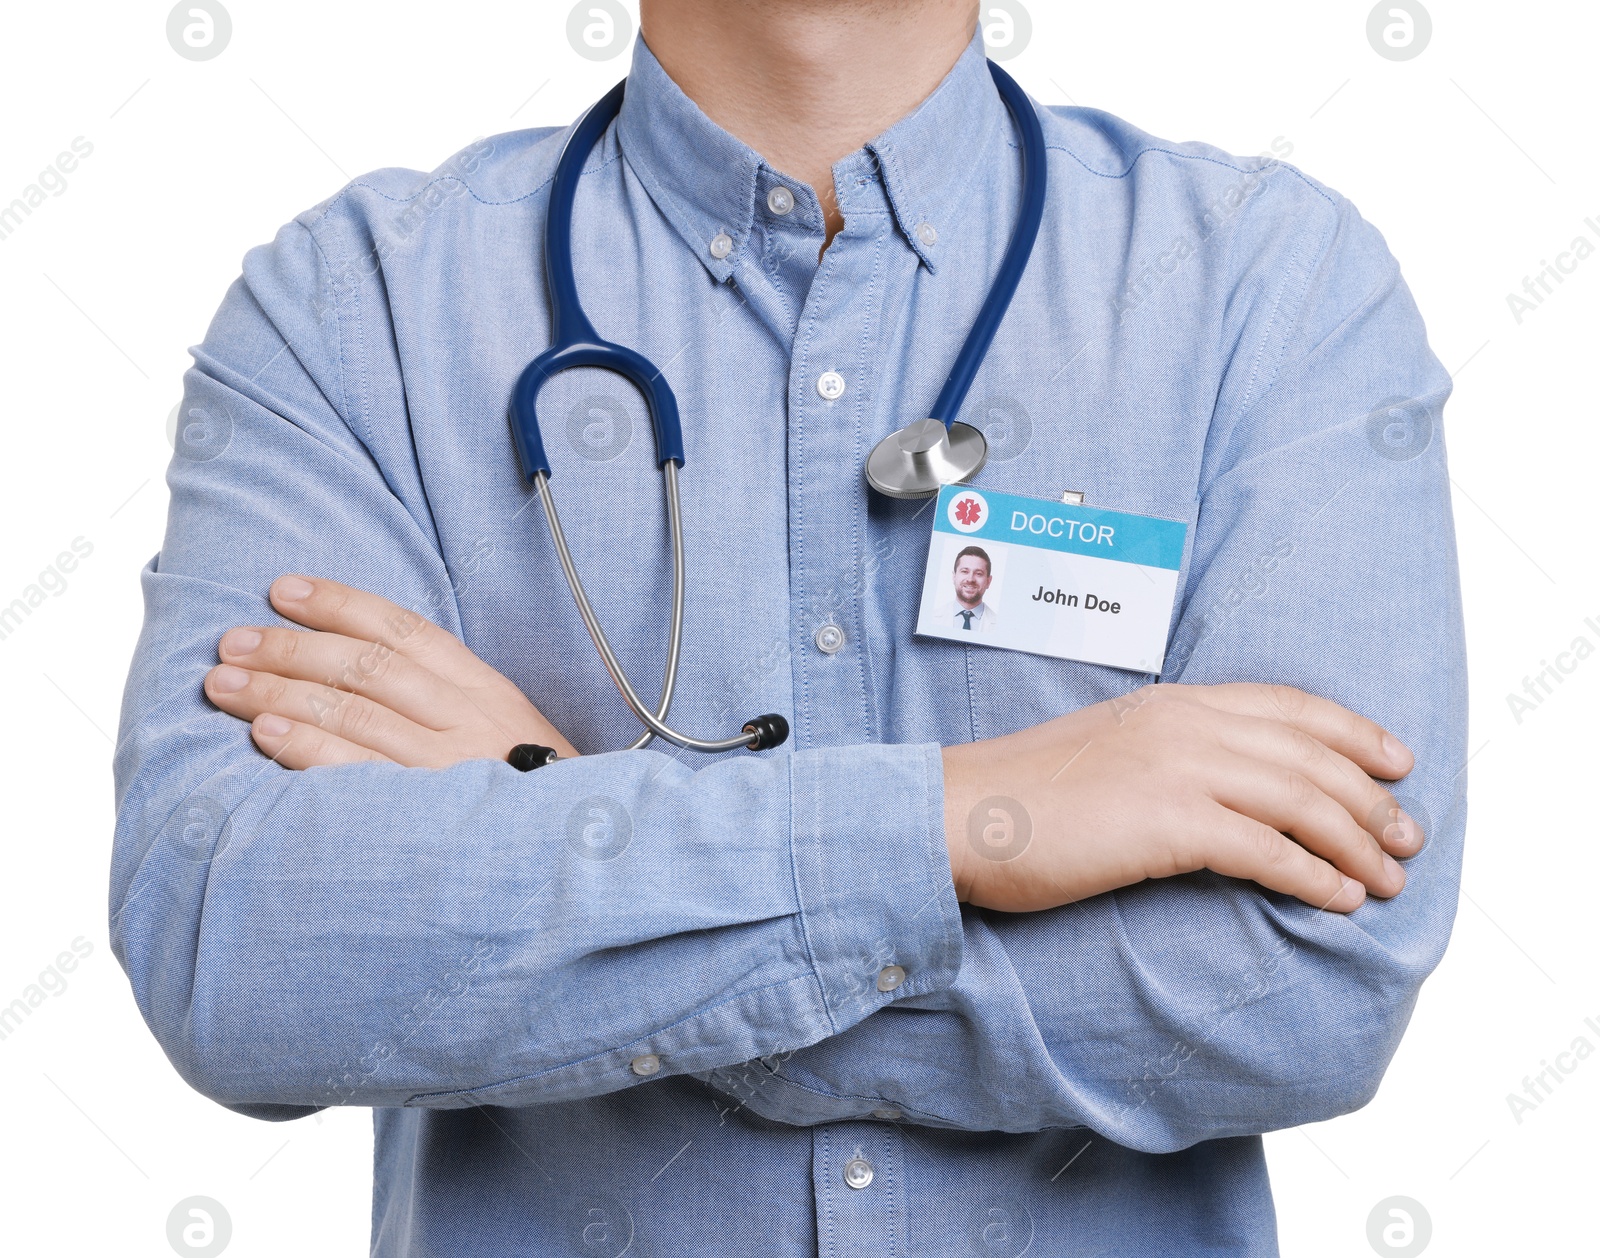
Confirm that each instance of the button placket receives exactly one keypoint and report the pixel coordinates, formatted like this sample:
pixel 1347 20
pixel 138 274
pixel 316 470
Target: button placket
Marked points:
pixel 860 1190
pixel 827 397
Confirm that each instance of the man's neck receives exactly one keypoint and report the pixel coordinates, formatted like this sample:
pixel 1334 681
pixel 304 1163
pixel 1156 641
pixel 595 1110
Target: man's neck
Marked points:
pixel 806 82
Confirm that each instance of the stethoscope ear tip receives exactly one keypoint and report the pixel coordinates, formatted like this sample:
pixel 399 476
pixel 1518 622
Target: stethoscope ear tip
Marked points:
pixel 770 730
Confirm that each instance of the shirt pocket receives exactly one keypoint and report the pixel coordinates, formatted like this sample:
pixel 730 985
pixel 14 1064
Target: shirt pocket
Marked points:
pixel 1012 690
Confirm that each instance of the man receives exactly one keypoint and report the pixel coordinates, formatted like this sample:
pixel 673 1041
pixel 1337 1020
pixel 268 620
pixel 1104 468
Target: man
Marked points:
pixel 972 575
pixel 1000 952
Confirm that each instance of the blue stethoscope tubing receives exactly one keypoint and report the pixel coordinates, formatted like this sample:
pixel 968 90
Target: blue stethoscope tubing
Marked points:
pixel 575 341
pixel 920 457
pixel 1034 185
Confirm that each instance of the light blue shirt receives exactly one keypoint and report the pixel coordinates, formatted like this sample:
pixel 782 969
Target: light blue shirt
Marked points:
pixel 650 999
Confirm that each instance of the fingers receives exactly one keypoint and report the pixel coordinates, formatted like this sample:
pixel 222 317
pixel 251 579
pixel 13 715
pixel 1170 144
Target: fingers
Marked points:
pixel 338 714
pixel 1291 749
pixel 1240 847
pixel 391 680
pixel 1288 801
pixel 1365 742
pixel 298 746
pixel 319 603
pixel 1398 831
pixel 367 668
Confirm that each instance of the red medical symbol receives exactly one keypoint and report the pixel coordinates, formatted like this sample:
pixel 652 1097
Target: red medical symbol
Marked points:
pixel 968 510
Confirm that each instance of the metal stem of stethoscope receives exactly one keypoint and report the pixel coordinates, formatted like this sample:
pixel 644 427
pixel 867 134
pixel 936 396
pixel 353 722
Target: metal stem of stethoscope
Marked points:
pixel 655 723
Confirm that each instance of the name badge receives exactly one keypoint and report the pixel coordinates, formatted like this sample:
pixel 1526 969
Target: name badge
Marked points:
pixel 1029 574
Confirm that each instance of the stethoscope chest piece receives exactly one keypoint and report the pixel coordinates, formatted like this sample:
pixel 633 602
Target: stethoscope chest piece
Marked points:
pixel 921 458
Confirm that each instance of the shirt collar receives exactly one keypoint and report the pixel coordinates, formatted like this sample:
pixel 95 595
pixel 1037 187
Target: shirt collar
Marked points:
pixel 706 181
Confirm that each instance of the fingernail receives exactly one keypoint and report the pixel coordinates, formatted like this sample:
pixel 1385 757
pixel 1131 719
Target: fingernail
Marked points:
pixel 1353 889
pixel 1392 868
pixel 292 589
pixel 272 725
pixel 227 679
pixel 1403 830
pixel 240 641
pixel 1394 749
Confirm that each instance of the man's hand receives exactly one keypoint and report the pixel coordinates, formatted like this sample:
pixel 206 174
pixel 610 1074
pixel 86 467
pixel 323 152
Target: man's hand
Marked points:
pixel 374 682
pixel 1261 782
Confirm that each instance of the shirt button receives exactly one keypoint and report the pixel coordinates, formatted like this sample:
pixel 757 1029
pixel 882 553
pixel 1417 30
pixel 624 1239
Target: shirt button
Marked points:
pixel 888 1114
pixel 927 234
pixel 829 639
pixel 831 385
pixel 646 1065
pixel 721 245
pixel 780 200
pixel 890 977
pixel 858 1172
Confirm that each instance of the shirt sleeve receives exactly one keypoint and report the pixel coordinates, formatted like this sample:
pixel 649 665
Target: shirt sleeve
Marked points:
pixel 379 935
pixel 1200 1007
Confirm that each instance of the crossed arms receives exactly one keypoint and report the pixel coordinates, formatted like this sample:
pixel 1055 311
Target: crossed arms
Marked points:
pixel 336 925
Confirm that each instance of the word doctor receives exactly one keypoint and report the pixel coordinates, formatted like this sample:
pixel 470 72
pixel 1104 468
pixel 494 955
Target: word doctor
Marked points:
pixel 1055 526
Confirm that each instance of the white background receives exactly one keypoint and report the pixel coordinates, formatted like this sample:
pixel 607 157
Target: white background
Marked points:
pixel 1477 161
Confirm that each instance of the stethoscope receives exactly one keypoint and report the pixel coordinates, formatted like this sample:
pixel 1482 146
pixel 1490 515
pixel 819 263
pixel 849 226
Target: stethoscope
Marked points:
pixel 911 463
